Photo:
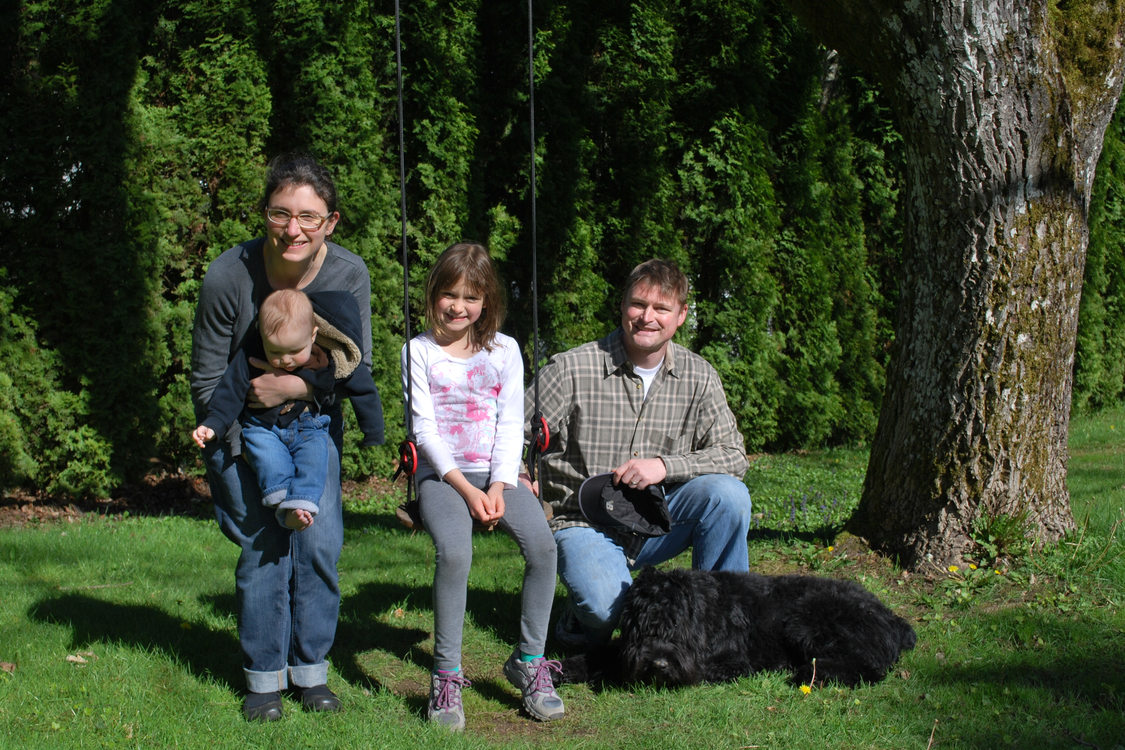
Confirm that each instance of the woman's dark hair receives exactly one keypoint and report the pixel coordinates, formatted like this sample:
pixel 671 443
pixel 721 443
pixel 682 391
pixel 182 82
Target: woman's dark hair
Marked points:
pixel 468 262
pixel 299 169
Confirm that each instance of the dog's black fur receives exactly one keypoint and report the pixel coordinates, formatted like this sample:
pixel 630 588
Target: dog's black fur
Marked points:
pixel 684 627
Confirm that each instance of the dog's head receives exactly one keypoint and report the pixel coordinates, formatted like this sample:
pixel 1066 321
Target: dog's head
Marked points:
pixel 661 663
pixel 661 636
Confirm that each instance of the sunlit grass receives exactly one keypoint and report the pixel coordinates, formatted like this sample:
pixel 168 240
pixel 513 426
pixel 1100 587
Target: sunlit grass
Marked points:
pixel 813 491
pixel 122 633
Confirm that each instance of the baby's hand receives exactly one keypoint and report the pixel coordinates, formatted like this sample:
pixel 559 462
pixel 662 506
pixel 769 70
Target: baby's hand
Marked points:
pixel 202 434
pixel 298 519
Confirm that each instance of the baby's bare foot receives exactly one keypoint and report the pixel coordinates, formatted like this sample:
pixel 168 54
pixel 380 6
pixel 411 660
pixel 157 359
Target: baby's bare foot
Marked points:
pixel 298 520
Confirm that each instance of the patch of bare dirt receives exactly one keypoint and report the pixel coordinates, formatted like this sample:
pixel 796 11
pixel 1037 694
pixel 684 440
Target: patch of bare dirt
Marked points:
pixel 158 494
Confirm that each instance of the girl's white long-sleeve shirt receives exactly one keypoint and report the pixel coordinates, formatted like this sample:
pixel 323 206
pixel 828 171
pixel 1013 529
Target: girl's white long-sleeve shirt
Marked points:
pixel 468 413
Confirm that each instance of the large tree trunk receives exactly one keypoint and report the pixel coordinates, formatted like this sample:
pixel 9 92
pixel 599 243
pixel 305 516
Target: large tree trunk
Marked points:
pixel 1002 107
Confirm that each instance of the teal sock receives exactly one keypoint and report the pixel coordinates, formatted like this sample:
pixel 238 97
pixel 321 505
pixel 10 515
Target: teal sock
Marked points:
pixel 448 671
pixel 527 658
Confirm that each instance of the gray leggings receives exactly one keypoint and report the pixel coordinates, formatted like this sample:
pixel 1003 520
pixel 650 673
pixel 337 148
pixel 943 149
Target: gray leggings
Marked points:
pixel 446 518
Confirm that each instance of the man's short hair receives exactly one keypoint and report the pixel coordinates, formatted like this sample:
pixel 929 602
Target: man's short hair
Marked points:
pixel 662 274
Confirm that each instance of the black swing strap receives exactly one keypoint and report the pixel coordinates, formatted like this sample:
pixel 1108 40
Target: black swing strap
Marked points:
pixel 540 434
pixel 407 513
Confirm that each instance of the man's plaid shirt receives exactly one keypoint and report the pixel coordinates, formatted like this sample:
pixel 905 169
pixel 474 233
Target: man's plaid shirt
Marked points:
pixel 598 419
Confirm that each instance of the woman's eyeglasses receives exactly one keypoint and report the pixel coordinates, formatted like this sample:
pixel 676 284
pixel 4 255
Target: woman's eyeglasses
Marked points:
pixel 281 217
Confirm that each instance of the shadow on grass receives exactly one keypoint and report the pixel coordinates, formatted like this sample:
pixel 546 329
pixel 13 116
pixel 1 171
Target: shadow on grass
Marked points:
pixel 821 535
pixel 372 519
pixel 1077 659
pixel 360 631
pixel 204 651
pixel 373 652
pixel 1047 663
pixel 363 627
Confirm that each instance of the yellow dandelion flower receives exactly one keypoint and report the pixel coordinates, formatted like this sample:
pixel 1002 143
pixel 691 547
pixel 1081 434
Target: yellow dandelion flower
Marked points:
pixel 830 548
pixel 806 689
pixel 953 568
pixel 972 566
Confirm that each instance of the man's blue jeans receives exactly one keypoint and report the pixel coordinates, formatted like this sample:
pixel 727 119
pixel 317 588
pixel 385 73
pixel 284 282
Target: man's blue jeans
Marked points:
pixel 286 582
pixel 710 514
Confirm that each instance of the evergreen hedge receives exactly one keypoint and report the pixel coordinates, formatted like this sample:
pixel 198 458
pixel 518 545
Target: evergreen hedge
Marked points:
pixel 712 132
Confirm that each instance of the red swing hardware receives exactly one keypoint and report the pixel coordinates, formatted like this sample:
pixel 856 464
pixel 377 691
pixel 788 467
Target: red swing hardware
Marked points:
pixel 408 513
pixel 540 442
pixel 407 459
pixel 541 433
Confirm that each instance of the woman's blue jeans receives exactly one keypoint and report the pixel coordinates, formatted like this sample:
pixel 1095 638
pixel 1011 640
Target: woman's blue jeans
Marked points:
pixel 710 514
pixel 286 582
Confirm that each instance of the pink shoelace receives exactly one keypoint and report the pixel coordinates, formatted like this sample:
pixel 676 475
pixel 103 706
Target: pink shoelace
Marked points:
pixel 449 690
pixel 541 681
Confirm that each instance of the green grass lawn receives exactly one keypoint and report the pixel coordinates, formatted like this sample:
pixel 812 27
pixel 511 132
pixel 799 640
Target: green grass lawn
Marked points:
pixel 121 633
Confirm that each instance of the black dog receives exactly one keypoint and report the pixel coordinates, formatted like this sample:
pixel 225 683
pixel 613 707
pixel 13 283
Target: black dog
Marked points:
pixel 684 627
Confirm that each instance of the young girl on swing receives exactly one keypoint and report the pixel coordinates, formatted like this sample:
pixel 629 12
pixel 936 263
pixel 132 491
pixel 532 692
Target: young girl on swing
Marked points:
pixel 466 394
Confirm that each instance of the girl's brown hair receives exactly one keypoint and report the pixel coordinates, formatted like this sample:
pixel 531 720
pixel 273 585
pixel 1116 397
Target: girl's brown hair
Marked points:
pixel 468 262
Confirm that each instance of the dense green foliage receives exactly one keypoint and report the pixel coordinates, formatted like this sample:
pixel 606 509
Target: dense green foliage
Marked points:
pixel 1099 372
pixel 711 132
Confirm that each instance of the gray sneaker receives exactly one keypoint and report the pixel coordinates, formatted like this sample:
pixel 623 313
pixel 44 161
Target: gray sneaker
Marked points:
pixel 533 679
pixel 445 700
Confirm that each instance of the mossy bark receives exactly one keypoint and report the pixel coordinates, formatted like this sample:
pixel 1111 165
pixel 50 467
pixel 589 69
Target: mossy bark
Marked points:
pixel 1003 107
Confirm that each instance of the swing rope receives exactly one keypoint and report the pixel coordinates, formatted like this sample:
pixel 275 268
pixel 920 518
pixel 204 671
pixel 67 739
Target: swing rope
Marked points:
pixel 407 449
pixel 408 513
pixel 540 435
